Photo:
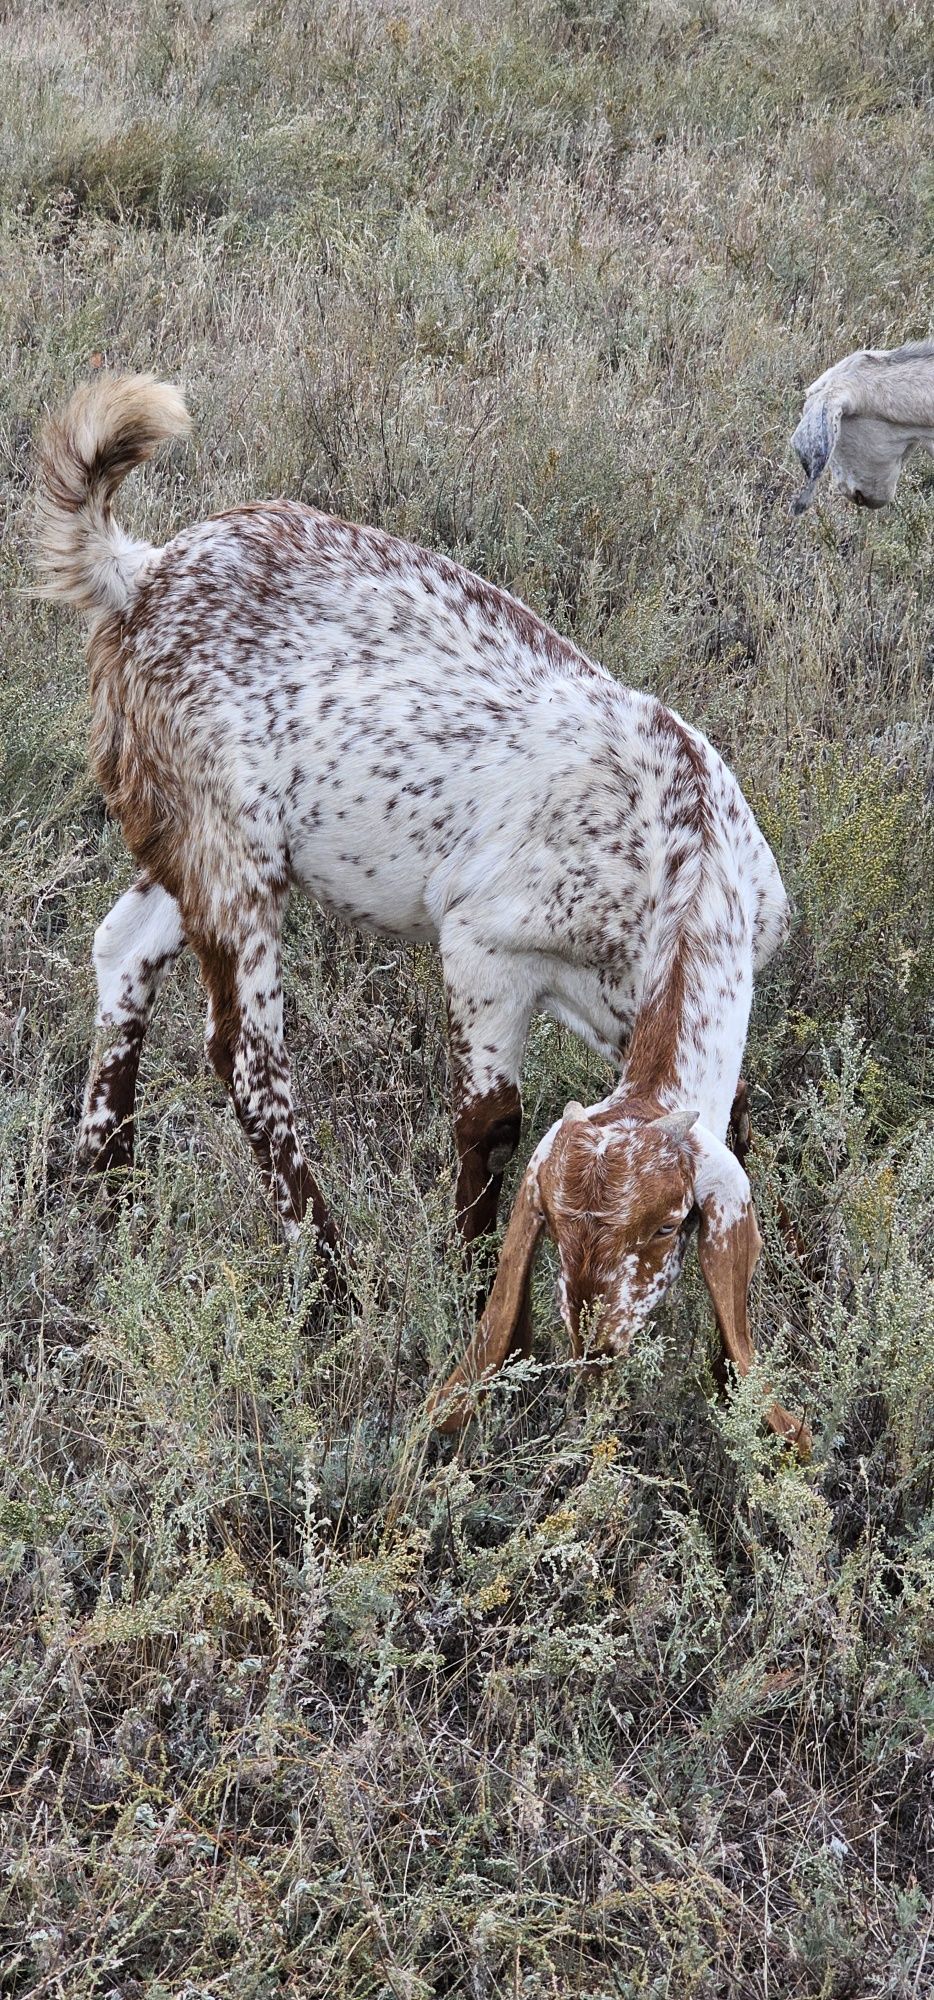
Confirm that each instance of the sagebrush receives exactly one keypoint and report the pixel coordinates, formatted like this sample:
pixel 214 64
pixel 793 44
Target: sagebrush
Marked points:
pixel 613 1698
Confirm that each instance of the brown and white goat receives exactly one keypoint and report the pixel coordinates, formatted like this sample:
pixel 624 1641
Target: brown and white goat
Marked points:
pixel 279 697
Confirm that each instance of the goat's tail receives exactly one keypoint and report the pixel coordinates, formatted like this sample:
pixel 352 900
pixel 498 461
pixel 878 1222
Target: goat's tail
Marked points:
pixel 109 426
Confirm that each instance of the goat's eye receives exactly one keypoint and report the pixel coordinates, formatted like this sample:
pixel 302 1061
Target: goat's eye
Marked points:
pixel 667 1229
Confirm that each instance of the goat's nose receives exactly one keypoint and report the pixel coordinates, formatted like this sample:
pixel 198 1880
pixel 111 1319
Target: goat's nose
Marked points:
pixel 611 1335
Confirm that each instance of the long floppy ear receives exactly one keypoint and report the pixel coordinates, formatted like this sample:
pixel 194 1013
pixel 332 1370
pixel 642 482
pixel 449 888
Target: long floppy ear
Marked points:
pixel 814 442
pixel 728 1247
pixel 501 1320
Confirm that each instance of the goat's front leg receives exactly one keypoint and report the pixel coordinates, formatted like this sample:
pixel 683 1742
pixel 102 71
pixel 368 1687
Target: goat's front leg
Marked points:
pixel 739 1136
pixel 487 1125
pixel 739 1140
pixel 241 965
pixel 486 1133
pixel 134 949
pixel 489 997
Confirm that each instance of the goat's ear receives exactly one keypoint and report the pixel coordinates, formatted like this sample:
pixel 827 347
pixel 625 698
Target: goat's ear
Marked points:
pixel 814 442
pixel 451 1406
pixel 728 1247
pixel 677 1124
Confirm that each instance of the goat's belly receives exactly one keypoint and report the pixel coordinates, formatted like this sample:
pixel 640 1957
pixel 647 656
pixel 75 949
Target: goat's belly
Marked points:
pixel 373 845
pixel 365 881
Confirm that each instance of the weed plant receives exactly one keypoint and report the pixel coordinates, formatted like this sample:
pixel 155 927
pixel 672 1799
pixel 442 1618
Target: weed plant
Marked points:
pixel 609 1699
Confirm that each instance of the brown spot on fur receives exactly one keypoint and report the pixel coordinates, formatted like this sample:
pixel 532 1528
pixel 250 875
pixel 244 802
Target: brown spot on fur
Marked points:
pixel 650 1057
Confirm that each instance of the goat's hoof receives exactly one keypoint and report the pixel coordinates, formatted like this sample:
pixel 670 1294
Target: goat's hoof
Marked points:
pixel 106 1178
pixel 103 1158
pixel 793 1430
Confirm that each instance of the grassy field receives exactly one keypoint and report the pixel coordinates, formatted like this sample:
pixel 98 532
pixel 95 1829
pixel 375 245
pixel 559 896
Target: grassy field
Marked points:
pixel 613 1699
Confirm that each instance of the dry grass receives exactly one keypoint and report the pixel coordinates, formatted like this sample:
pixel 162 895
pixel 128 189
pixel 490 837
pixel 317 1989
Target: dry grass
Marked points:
pixel 610 1701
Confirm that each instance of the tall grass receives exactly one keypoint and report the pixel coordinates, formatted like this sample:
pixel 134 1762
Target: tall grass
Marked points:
pixel 609 1698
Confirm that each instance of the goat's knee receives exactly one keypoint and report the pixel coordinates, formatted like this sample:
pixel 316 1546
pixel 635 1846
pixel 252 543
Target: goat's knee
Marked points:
pixel 487 1038
pixel 134 947
pixel 487 1133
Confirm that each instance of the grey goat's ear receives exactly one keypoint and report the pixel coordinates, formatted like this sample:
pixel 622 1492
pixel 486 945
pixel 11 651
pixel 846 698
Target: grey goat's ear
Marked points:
pixel 572 1112
pixel 814 442
pixel 676 1124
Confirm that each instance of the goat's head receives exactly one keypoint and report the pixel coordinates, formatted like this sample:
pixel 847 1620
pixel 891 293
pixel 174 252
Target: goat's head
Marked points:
pixel 620 1193
pixel 861 418
pixel 617 1196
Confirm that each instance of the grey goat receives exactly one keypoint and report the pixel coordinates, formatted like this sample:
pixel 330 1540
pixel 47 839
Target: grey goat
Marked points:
pixel 862 418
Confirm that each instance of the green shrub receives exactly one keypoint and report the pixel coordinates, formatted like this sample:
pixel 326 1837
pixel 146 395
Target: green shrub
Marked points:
pixel 612 1697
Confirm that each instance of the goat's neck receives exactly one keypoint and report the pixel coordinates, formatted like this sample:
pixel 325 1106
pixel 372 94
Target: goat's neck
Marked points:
pixel 687 1041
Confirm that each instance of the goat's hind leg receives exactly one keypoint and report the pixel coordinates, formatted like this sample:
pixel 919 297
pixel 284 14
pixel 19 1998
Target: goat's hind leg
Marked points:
pixel 241 964
pixel 134 949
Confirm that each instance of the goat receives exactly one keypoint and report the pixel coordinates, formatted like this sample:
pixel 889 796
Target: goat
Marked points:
pixel 862 418
pixel 279 697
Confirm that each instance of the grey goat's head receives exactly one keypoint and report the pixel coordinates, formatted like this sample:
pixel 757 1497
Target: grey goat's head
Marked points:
pixel 862 418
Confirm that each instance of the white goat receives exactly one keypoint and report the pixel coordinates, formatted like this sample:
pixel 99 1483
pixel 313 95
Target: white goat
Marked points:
pixel 280 697
pixel 862 418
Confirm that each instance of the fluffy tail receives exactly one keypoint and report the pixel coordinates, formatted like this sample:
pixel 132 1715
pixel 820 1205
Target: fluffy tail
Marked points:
pixel 110 425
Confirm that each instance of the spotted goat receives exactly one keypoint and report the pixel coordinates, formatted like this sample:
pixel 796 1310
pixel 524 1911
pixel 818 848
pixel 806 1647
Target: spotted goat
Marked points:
pixel 279 697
